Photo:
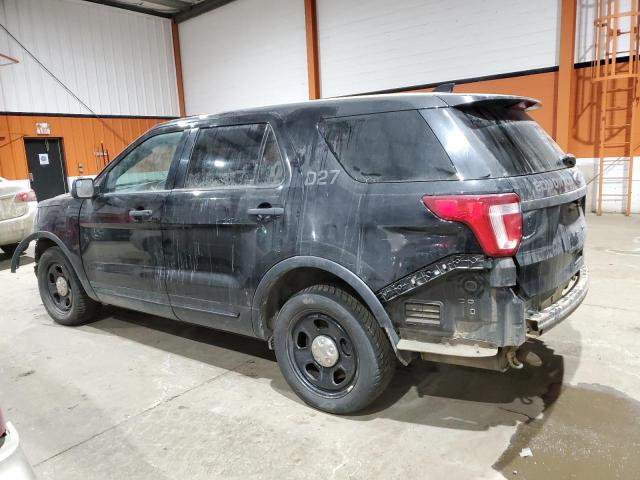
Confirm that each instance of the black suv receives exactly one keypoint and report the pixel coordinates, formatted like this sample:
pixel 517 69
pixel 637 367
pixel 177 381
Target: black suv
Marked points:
pixel 349 233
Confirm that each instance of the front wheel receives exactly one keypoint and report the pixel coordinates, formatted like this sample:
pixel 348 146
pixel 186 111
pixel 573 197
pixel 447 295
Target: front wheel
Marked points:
pixel 331 350
pixel 61 292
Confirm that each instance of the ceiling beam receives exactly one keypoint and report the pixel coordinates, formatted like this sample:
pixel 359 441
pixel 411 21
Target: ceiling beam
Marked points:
pixel 199 9
pixel 132 8
pixel 177 4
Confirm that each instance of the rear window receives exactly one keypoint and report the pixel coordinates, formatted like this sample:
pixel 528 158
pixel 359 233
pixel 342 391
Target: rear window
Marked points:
pixel 517 142
pixel 387 147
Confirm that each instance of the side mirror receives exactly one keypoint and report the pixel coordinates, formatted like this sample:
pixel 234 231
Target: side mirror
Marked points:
pixel 83 188
pixel 569 160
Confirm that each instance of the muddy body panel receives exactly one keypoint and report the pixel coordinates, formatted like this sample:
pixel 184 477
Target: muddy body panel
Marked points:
pixel 228 205
pixel 554 230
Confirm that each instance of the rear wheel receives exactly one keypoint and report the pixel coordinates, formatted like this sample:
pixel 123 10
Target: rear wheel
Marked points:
pixel 9 249
pixel 61 292
pixel 331 350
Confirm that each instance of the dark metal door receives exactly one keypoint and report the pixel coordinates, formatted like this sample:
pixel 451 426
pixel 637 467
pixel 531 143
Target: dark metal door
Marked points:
pixel 120 231
pixel 122 250
pixel 218 244
pixel 46 168
pixel 224 227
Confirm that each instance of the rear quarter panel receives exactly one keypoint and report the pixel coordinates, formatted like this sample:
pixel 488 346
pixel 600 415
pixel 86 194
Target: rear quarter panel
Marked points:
pixel 379 231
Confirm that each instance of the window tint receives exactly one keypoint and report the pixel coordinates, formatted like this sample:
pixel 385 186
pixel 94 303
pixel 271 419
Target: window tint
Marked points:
pixel 519 144
pixel 224 156
pixel 145 167
pixel 271 171
pixel 387 147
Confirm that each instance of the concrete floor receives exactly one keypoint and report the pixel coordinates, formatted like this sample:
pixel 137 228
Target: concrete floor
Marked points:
pixel 133 396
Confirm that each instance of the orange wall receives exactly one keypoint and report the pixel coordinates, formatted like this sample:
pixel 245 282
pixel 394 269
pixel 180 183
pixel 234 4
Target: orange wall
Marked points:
pixel 81 139
pixel 586 109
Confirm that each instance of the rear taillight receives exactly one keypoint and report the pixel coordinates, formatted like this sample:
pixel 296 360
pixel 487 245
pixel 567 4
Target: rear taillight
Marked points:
pixel 495 220
pixel 3 425
pixel 29 196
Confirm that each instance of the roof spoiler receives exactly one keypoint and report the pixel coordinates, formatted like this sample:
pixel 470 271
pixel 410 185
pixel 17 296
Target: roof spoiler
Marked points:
pixel 444 88
pixel 507 101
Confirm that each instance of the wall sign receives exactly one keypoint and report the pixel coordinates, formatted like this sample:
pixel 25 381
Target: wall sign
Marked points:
pixel 43 129
pixel 44 158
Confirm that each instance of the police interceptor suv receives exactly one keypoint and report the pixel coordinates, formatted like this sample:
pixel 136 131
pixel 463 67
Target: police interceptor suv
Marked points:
pixel 351 234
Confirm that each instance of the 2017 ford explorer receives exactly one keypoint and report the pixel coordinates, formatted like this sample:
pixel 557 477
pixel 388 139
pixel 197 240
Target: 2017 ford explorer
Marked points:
pixel 351 234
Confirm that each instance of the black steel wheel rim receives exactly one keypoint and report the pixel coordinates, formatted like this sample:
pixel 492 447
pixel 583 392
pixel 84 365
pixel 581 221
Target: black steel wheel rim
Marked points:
pixel 62 303
pixel 335 380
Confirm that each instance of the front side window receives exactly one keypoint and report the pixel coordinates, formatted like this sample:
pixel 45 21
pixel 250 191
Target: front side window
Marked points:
pixel 238 155
pixel 387 147
pixel 146 167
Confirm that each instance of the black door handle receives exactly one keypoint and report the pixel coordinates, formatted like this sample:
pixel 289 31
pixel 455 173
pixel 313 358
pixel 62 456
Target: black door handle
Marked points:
pixel 266 211
pixel 138 215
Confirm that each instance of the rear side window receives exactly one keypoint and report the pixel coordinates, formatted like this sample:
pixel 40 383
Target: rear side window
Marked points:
pixel 225 156
pixel 387 147
pixel 238 155
pixel 517 142
pixel 271 169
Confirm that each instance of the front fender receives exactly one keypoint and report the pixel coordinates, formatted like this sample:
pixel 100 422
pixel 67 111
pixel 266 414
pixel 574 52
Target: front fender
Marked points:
pixel 292 263
pixel 22 246
pixel 74 259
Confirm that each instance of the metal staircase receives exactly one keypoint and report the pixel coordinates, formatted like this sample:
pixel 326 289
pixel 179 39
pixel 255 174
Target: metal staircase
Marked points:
pixel 616 68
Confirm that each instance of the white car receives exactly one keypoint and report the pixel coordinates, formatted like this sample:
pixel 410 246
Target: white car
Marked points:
pixel 13 463
pixel 18 206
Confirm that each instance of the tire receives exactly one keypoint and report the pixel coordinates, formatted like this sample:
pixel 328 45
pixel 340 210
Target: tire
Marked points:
pixel 362 357
pixel 73 308
pixel 9 249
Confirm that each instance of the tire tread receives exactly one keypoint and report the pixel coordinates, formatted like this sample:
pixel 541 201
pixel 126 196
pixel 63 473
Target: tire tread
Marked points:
pixel 85 308
pixel 384 351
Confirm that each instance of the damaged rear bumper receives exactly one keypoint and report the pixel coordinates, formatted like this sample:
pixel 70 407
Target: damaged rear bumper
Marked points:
pixel 468 311
pixel 544 320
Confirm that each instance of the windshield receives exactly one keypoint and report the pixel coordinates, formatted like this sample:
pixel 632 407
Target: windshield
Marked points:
pixel 517 142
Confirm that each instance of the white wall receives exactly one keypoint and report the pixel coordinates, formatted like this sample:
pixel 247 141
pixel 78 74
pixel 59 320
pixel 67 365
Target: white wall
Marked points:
pixel 370 45
pixel 616 167
pixel 117 61
pixel 247 53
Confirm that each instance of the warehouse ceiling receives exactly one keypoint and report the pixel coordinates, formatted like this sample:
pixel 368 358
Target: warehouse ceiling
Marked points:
pixel 180 10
